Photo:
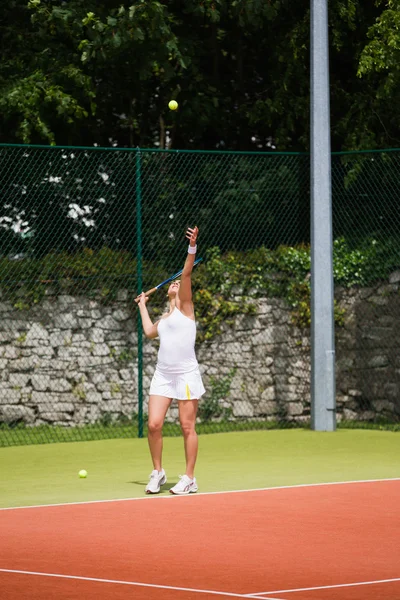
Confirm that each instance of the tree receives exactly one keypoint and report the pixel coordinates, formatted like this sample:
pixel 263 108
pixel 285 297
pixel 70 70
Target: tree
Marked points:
pixel 102 72
pixel 379 65
pixel 40 86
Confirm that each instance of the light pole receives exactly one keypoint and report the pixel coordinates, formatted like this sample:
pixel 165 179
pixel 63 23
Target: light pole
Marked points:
pixel 323 389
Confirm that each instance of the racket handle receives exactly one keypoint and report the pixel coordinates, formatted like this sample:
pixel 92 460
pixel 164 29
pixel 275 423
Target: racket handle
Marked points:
pixel 150 291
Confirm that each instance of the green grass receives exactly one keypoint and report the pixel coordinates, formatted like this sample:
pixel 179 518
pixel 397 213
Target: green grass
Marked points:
pixel 48 473
pixel 48 434
pixel 381 425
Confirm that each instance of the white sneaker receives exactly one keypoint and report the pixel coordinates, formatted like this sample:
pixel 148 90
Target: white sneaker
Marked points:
pixel 157 478
pixel 184 486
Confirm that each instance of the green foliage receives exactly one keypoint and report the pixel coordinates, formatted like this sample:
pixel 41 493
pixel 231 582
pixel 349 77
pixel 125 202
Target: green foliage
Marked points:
pixel 78 389
pixel 21 339
pixel 382 53
pixel 115 421
pixel 284 272
pixel 87 272
pixel 106 419
pixel 370 261
pixel 213 294
pixel 210 408
pixel 85 72
pixel 379 423
pixel 30 98
pixel 42 86
pixel 227 285
pixel 127 355
pixel 224 285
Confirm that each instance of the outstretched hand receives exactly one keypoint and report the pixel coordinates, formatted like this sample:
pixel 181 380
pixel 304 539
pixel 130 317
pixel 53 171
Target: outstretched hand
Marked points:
pixel 192 234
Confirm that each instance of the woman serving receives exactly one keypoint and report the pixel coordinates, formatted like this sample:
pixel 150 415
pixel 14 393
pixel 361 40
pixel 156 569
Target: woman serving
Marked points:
pixel 177 375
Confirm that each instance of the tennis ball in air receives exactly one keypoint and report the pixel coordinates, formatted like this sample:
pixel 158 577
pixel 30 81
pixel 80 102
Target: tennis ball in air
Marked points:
pixel 173 104
pixel 82 473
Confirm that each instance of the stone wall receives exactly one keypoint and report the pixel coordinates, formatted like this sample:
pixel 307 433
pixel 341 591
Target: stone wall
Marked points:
pixel 271 359
pixel 368 352
pixel 67 361
pixel 73 360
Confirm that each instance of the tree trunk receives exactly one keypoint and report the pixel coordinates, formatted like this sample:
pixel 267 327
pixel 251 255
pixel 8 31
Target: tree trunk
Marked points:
pixel 162 132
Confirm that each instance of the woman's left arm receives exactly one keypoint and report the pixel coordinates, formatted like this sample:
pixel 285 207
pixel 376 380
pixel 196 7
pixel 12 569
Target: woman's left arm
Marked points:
pixel 185 289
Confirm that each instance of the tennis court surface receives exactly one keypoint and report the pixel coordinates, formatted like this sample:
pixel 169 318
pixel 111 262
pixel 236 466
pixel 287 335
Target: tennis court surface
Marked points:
pixel 326 542
pixel 293 540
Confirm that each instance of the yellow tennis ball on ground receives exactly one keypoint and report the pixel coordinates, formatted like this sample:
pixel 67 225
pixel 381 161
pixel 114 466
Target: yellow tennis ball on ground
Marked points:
pixel 82 473
pixel 173 104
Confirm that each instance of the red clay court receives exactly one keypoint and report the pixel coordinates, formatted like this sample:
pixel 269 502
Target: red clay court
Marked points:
pixel 337 541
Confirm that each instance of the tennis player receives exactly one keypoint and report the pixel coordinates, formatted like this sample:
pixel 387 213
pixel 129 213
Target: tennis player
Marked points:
pixel 177 375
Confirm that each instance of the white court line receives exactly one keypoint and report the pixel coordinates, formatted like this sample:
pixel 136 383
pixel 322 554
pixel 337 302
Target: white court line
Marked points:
pixel 171 496
pixel 133 583
pixel 261 596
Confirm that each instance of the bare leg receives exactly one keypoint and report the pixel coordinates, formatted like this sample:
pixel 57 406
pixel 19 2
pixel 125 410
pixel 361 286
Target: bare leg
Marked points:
pixel 187 418
pixel 158 406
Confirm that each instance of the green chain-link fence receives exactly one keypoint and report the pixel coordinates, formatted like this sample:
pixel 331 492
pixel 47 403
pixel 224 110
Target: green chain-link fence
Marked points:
pixel 366 229
pixel 83 229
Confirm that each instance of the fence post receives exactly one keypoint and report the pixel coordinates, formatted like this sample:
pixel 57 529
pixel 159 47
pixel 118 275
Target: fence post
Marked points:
pixel 139 287
pixel 323 393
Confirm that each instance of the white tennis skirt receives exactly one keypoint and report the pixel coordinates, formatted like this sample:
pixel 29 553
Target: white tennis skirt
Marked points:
pixel 180 386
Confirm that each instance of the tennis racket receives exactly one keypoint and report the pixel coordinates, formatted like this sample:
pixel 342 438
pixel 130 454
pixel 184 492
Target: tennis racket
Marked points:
pixel 160 285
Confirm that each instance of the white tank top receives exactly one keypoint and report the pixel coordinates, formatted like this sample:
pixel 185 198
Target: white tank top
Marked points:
pixel 177 335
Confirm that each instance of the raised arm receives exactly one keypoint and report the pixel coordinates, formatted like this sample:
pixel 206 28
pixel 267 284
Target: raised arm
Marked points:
pixel 185 288
pixel 149 328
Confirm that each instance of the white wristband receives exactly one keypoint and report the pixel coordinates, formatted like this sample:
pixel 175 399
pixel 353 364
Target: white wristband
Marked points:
pixel 192 249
